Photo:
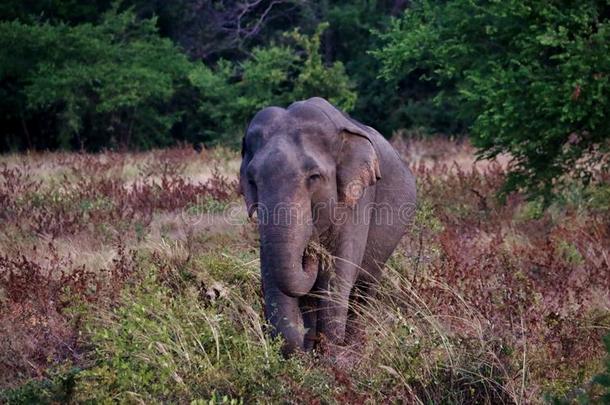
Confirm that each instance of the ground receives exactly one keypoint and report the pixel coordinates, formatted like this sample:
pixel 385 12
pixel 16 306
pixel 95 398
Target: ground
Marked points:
pixel 133 277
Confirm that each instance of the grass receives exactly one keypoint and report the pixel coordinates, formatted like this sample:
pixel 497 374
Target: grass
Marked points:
pixel 122 279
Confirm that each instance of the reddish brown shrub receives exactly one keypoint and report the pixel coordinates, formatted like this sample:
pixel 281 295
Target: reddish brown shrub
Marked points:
pixel 39 309
pixel 93 194
pixel 541 282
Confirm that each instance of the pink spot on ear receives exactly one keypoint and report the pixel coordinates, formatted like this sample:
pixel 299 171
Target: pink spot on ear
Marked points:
pixel 353 192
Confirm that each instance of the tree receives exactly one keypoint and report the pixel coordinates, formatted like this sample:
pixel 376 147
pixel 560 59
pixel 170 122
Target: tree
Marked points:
pixel 530 77
pixel 232 92
pixel 106 84
pixel 388 104
pixel 215 29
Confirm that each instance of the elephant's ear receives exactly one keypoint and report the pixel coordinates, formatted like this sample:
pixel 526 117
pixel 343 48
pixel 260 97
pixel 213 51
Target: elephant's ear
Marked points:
pixel 357 168
pixel 357 161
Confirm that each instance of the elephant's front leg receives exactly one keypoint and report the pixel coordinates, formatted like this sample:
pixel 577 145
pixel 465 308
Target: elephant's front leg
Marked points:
pixel 336 284
pixel 284 315
pixel 309 308
pixel 334 301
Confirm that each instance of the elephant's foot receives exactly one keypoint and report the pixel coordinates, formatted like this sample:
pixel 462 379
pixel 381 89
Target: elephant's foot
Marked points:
pixel 344 356
pixel 355 334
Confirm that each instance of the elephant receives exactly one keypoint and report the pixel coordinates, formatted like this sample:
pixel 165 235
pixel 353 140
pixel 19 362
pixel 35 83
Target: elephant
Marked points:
pixel 312 174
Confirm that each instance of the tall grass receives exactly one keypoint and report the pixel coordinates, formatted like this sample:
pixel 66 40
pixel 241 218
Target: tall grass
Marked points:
pixel 115 287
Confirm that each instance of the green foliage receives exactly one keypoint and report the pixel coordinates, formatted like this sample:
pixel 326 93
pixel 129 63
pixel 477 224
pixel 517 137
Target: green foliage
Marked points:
pixel 598 392
pixel 231 93
pixel 107 84
pixel 570 253
pixel 57 84
pixel 530 77
pixel 172 342
pixel 56 389
pixel 389 105
pixel 531 210
pixel 600 198
pixel 316 79
pixel 603 379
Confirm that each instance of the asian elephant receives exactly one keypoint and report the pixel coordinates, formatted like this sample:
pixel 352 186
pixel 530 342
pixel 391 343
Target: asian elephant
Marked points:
pixel 311 173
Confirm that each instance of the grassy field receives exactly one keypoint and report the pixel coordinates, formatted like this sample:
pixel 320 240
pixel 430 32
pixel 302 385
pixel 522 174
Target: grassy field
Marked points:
pixel 134 278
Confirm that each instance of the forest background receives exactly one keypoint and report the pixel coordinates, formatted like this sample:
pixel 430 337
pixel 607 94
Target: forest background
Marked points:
pixel 525 78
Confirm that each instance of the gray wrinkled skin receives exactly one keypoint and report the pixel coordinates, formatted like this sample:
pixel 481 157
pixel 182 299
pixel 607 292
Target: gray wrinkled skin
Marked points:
pixel 312 174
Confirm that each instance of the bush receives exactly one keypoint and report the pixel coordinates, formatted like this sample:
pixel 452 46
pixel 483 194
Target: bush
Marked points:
pixel 118 84
pixel 596 392
pixel 529 77
pixel 94 85
pixel 182 336
pixel 57 389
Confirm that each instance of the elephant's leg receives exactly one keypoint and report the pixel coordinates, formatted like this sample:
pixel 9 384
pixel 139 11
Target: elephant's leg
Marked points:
pixel 332 314
pixel 359 307
pixel 335 299
pixel 367 284
pixel 284 314
pixel 336 285
pixel 309 307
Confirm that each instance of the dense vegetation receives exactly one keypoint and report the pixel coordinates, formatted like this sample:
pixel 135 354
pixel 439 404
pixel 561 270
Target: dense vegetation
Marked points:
pixel 135 277
pixel 130 273
pixel 97 75
pixel 525 78
pixel 531 77
pixel 116 83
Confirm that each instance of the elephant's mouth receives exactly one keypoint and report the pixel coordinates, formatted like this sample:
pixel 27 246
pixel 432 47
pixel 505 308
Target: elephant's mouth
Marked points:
pixel 315 255
pixel 310 261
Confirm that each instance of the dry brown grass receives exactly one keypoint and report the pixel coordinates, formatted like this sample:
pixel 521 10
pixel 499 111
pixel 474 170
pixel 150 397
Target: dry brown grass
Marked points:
pixel 124 266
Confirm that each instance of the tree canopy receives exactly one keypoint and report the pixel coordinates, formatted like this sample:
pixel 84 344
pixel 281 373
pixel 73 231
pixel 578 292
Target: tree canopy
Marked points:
pixel 525 78
pixel 529 78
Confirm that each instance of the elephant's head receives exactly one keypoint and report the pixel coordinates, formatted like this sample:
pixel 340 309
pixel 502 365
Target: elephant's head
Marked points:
pixel 299 164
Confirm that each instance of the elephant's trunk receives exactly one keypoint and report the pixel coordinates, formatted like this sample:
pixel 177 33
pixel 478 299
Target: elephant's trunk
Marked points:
pixel 285 233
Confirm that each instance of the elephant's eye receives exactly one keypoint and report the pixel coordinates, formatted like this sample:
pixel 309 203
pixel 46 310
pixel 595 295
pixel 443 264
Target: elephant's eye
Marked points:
pixel 314 177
